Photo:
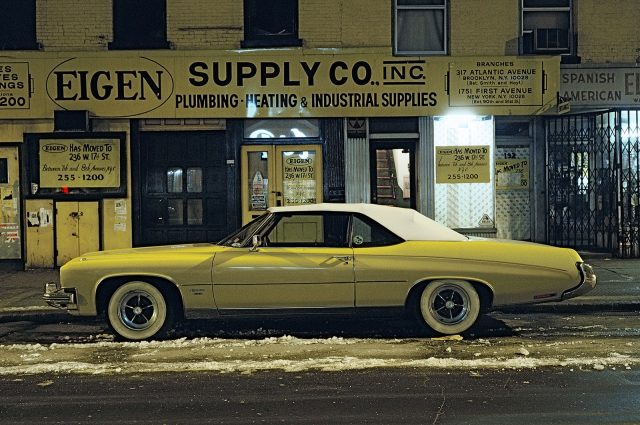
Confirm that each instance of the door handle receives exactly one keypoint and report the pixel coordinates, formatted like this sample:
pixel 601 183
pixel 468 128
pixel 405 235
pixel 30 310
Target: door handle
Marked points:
pixel 343 258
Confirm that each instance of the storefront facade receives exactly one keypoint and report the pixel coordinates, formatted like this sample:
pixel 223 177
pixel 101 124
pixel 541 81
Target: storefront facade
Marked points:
pixel 593 166
pixel 117 149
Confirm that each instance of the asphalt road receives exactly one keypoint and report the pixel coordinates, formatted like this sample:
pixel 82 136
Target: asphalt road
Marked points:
pixel 378 396
pixel 576 367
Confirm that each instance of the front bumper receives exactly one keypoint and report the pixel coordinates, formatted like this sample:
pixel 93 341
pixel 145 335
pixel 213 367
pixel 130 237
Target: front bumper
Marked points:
pixel 587 283
pixel 59 297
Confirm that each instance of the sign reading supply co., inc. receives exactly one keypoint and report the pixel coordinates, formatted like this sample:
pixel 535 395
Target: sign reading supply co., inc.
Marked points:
pixel 79 163
pixel 274 83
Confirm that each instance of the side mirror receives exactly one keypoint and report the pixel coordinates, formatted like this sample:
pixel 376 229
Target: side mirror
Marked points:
pixel 256 241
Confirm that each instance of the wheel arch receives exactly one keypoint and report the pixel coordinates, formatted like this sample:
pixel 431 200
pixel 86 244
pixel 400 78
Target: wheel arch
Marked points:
pixel 169 289
pixel 484 290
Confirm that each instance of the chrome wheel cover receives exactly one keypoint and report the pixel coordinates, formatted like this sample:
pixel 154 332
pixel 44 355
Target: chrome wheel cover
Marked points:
pixel 449 305
pixel 138 310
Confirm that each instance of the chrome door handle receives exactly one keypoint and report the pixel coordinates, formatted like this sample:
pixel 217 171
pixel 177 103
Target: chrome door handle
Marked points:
pixel 344 258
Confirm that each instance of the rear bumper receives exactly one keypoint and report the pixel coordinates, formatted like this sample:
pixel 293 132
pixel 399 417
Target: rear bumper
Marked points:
pixel 587 282
pixel 58 297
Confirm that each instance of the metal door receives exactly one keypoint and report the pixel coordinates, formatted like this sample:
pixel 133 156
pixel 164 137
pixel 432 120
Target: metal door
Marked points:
pixel 77 230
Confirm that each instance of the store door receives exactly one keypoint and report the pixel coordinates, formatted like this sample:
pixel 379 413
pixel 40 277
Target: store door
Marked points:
pixel 183 188
pixel 279 175
pixel 393 180
pixel 513 193
pixel 77 230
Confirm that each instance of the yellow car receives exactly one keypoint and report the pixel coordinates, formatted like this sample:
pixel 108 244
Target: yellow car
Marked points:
pixel 323 258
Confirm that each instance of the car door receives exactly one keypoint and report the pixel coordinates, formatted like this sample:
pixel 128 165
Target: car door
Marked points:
pixel 304 263
pixel 382 272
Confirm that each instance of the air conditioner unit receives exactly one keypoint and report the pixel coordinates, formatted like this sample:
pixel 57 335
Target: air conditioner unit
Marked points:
pixel 550 40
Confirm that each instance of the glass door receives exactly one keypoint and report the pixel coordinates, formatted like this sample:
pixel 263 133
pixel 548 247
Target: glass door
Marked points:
pixel 279 175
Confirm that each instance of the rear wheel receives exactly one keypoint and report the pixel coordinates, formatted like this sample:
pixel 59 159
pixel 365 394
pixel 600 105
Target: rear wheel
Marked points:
pixel 449 306
pixel 138 310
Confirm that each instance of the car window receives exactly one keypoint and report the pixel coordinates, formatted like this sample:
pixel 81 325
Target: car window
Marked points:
pixel 242 236
pixel 367 233
pixel 306 230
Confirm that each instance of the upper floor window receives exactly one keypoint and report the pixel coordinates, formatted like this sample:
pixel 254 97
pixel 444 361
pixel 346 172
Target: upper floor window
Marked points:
pixel 139 24
pixel 271 23
pixel 546 27
pixel 420 27
pixel 18 29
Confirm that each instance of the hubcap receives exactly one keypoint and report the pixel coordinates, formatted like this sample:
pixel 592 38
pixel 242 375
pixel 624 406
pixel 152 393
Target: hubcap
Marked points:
pixel 137 310
pixel 449 305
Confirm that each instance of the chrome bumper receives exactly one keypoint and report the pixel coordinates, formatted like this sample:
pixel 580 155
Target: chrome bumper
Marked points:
pixel 587 283
pixel 59 297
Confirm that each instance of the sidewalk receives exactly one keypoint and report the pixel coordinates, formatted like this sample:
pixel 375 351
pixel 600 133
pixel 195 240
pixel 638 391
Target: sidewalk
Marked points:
pixel 618 289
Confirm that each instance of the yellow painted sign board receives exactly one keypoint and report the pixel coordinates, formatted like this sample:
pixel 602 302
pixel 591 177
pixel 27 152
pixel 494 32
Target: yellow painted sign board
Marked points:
pixel 79 163
pixel 512 174
pixel 508 83
pixel 463 164
pixel 272 83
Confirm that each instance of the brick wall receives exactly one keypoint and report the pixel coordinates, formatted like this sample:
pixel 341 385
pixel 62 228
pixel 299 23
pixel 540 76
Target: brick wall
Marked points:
pixel 480 27
pixel 608 30
pixel 73 24
pixel 345 23
pixel 205 24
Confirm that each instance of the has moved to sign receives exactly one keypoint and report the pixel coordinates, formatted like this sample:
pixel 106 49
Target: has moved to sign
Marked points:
pixel 77 163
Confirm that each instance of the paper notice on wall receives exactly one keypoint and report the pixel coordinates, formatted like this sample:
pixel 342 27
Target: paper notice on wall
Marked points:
pixel 512 174
pixel 44 215
pixel 120 223
pixel 33 219
pixel 120 206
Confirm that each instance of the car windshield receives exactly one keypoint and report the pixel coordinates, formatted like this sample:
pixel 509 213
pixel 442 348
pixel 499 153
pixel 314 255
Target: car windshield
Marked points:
pixel 241 237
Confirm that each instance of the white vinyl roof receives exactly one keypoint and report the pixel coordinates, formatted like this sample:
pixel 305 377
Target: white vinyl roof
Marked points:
pixel 407 223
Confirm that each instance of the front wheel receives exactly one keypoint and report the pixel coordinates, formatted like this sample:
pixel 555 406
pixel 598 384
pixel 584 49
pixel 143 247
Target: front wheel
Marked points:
pixel 138 310
pixel 449 306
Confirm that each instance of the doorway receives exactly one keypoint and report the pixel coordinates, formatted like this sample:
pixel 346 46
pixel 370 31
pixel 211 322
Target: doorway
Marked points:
pixel 279 175
pixel 183 187
pixel 393 176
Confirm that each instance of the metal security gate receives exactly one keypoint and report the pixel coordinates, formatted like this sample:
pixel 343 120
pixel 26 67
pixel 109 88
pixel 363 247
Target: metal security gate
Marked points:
pixel 593 181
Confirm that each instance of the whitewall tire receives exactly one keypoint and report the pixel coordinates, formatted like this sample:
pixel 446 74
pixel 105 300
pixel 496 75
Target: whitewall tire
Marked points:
pixel 138 310
pixel 449 306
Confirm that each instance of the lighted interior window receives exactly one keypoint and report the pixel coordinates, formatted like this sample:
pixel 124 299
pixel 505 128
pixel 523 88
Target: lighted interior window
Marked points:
pixel 174 180
pixel 281 129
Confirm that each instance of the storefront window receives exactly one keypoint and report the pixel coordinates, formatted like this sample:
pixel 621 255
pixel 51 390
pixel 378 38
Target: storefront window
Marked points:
pixel 464 192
